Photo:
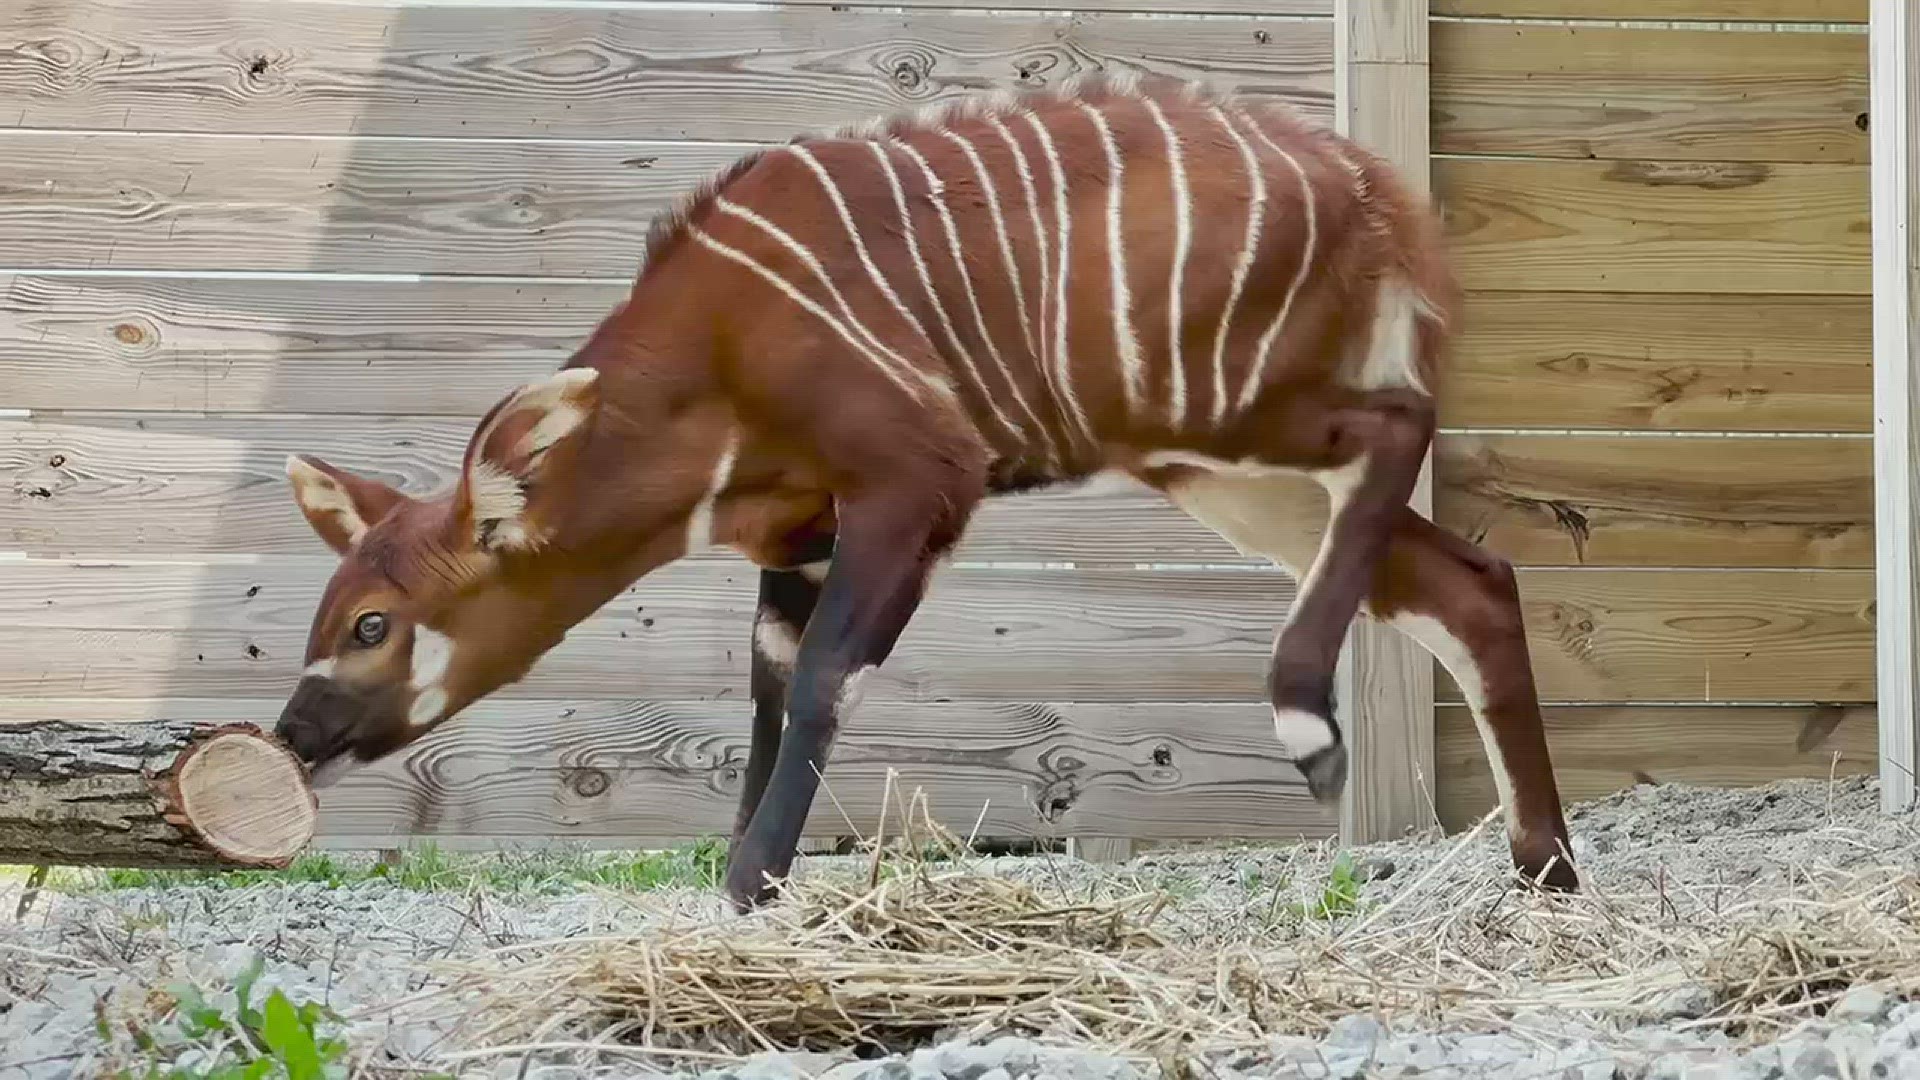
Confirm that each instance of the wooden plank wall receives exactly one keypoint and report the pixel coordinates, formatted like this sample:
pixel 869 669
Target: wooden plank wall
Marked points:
pixel 231 229
pixel 1664 398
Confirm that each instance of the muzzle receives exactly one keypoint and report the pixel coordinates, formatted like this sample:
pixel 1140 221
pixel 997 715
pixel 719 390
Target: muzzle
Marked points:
pixel 320 720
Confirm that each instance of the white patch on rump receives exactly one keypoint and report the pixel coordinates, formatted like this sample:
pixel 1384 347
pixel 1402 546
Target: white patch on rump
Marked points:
pixel 1389 362
pixel 1453 654
pixel 1301 733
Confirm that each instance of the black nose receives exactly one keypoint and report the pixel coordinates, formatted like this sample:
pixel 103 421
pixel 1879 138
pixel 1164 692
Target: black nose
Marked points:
pixel 303 737
pixel 308 724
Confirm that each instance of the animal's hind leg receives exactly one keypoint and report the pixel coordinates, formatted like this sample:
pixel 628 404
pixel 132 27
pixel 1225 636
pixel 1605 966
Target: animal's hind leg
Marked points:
pixel 1456 600
pixel 787 600
pixel 1462 603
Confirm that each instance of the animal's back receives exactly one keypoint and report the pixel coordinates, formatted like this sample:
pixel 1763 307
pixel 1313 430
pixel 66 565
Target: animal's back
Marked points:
pixel 1111 263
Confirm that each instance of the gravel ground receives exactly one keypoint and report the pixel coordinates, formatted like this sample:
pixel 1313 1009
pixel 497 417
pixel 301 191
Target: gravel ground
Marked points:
pixel 367 950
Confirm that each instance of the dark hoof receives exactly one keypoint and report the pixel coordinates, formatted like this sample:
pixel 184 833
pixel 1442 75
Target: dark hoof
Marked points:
pixel 1326 773
pixel 1551 872
pixel 748 889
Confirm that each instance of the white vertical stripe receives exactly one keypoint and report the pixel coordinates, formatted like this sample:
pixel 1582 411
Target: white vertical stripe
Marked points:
pixel 859 246
pixel 808 305
pixel 1124 341
pixel 913 249
pixel 999 225
pixel 1182 241
pixel 1040 242
pixel 973 298
pixel 1252 386
pixel 1256 209
pixel 812 262
pixel 1064 219
pixel 992 194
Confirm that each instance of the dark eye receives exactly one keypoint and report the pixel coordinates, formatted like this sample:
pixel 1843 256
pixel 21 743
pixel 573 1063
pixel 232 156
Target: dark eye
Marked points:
pixel 371 629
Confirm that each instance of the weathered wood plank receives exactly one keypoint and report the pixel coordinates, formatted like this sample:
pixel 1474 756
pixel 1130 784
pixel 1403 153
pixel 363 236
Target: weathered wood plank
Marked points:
pixel 1383 683
pixel 1634 226
pixel 437 347
pixel 1742 10
pixel 1896 392
pixel 644 72
pixel 447 347
pixel 171 484
pixel 1600 750
pixel 1708 636
pixel 1651 501
pixel 193 202
pixel 211 629
pixel 1679 362
pixel 583 769
pixel 1609 92
pixel 226 628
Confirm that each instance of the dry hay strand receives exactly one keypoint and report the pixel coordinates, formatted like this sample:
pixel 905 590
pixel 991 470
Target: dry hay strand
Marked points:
pixel 918 946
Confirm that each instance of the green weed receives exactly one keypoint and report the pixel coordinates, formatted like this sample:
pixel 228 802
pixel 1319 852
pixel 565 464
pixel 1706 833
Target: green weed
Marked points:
pixel 275 1040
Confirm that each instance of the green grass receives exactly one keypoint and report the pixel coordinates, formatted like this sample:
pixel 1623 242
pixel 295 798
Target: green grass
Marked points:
pixel 427 868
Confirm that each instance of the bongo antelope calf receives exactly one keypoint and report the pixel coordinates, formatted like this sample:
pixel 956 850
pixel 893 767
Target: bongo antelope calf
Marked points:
pixel 839 346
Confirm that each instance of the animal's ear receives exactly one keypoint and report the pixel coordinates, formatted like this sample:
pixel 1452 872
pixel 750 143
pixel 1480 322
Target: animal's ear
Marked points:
pixel 509 453
pixel 339 505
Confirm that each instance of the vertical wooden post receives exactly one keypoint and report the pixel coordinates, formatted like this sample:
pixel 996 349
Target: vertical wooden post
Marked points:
pixel 1894 112
pixel 1384 688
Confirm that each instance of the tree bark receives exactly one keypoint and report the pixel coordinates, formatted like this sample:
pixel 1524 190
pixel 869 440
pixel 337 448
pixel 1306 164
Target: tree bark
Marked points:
pixel 156 795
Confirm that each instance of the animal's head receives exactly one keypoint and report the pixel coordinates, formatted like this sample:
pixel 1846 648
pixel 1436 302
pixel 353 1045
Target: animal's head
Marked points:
pixel 430 608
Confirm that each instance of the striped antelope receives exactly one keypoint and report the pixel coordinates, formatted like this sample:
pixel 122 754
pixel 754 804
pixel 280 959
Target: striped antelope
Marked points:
pixel 840 346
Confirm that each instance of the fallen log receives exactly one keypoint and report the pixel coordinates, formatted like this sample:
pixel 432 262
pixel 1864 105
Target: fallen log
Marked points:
pixel 165 794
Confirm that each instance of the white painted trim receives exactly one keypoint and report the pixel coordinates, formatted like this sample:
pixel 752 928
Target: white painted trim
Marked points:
pixel 1896 404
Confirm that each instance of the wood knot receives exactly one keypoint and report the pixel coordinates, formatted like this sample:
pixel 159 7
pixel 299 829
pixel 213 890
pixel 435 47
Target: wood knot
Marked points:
pixel 1163 755
pixel 588 783
pixel 1863 121
pixel 1033 70
pixel 129 334
pixel 910 69
pixel 57 460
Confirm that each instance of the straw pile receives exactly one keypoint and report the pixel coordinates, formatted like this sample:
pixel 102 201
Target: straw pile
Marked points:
pixel 916 947
pixel 920 947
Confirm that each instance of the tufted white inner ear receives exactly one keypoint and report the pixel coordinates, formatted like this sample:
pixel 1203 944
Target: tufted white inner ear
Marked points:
pixel 321 495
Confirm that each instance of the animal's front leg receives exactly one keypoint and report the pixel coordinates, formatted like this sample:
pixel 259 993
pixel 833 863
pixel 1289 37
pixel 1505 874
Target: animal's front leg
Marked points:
pixel 888 545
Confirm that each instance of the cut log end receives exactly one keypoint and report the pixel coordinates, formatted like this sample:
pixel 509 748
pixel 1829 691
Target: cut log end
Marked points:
pixel 160 794
pixel 246 798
